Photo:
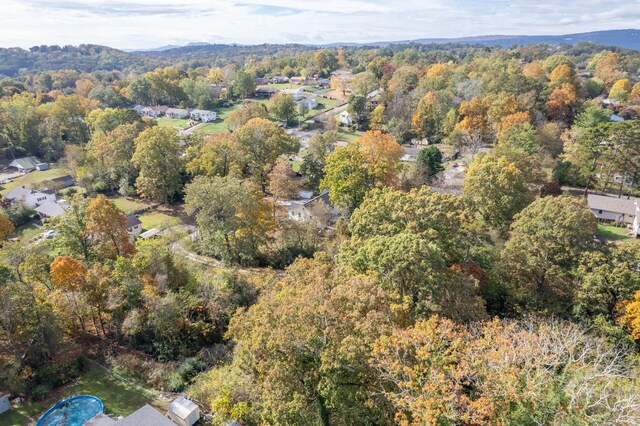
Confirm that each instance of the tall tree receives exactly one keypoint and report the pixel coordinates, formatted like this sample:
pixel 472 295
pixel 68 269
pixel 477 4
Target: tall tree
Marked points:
pixel 106 226
pixel 157 157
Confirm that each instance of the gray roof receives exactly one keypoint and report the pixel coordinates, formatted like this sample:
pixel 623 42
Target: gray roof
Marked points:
pixel 324 197
pixel 132 220
pixel 50 209
pixel 18 193
pixel 611 203
pixel 100 419
pixel 146 416
pixel 182 407
pixel 150 233
pixel 25 163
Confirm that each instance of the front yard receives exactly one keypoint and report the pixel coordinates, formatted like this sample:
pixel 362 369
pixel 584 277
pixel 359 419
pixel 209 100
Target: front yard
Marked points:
pixel 612 233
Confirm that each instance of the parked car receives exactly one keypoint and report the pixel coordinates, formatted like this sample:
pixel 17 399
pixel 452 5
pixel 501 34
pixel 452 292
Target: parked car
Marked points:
pixel 50 234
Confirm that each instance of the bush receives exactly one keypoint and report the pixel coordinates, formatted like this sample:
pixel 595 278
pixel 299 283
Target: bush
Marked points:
pixel 40 392
pixel 19 213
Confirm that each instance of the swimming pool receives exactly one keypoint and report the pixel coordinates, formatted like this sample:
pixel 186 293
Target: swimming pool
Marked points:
pixel 74 411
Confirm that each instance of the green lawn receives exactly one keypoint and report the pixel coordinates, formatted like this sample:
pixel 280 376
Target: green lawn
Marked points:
pixel 27 232
pixel 119 398
pixel 612 233
pixel 179 123
pixel 127 205
pixel 158 220
pixel 347 135
pixel 35 177
pixel 218 126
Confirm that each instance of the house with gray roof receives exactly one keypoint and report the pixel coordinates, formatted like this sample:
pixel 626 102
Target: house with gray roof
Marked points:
pixel 619 210
pixel 25 165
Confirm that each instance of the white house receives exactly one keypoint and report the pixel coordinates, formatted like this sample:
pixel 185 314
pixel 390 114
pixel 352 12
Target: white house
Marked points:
pixel 177 113
pixel 30 197
pixel 610 208
pixel 279 79
pixel 133 225
pixel 296 94
pixel 203 115
pixel 25 165
pixel 183 411
pixel 310 103
pixel 318 208
pixel 345 118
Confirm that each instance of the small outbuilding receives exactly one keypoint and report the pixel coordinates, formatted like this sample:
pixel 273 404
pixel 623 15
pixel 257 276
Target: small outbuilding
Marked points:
pixel 183 411
pixel 5 404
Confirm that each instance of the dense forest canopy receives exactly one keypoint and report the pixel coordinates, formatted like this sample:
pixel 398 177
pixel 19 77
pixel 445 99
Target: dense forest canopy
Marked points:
pixel 417 247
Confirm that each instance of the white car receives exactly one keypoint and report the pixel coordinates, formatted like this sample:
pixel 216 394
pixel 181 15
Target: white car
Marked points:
pixel 50 234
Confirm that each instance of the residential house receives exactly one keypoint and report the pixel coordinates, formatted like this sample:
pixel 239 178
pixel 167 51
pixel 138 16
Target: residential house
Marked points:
pixel 154 112
pixel 203 115
pixel 60 182
pixel 265 92
pixel 310 103
pixel 144 416
pixel 610 208
pixel 138 109
pixel 276 79
pixel 260 81
pixel 25 165
pixel 30 197
pixel 345 118
pixel 297 80
pixel 323 83
pixel 296 94
pixel 177 113
pixel 50 209
pixel 318 208
pixel 133 225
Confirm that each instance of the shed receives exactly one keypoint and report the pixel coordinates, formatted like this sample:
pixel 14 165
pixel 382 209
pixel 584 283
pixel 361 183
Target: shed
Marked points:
pixel 5 404
pixel 150 233
pixel 145 416
pixel 42 166
pixel 183 411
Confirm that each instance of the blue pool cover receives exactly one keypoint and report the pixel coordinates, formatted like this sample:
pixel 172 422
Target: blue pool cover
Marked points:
pixel 74 411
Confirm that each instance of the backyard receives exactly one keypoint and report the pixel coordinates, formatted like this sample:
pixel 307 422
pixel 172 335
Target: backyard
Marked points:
pixel 119 398
pixel 34 177
pixel 179 123
pixel 612 233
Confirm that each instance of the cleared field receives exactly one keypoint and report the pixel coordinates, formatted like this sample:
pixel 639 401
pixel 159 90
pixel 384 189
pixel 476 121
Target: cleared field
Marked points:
pixel 347 135
pixel 612 233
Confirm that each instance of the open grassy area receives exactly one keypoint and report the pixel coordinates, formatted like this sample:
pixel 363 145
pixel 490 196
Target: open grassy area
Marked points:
pixel 179 123
pixel 20 415
pixel 119 398
pixel 347 135
pixel 218 126
pixel 26 232
pixel 158 220
pixel 612 233
pixel 35 177
pixel 127 205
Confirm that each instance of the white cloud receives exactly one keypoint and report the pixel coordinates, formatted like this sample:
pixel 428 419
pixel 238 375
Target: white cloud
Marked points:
pixel 148 23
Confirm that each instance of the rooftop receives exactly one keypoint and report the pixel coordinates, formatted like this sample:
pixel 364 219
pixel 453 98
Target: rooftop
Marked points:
pixel 612 203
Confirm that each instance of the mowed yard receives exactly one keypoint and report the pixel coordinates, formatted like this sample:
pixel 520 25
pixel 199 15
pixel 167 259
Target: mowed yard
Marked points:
pixel 119 397
pixel 33 178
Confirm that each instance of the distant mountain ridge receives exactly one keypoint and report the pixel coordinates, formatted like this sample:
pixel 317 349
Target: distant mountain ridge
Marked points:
pixel 629 39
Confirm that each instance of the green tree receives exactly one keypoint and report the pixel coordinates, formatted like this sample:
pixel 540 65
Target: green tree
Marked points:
pixel 263 141
pixel 157 157
pixel 497 189
pixel 233 217
pixel 538 262
pixel 429 162
pixel 282 107
pixel 243 85
pixel 320 145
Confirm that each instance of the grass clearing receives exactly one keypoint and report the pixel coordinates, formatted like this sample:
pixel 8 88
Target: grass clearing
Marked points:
pixel 218 126
pixel 347 135
pixel 119 398
pixel 178 123
pixel 27 232
pixel 612 233
pixel 158 220
pixel 128 205
pixel 34 177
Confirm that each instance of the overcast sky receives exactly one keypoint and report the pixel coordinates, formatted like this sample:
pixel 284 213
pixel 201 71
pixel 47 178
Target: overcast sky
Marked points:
pixel 151 23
